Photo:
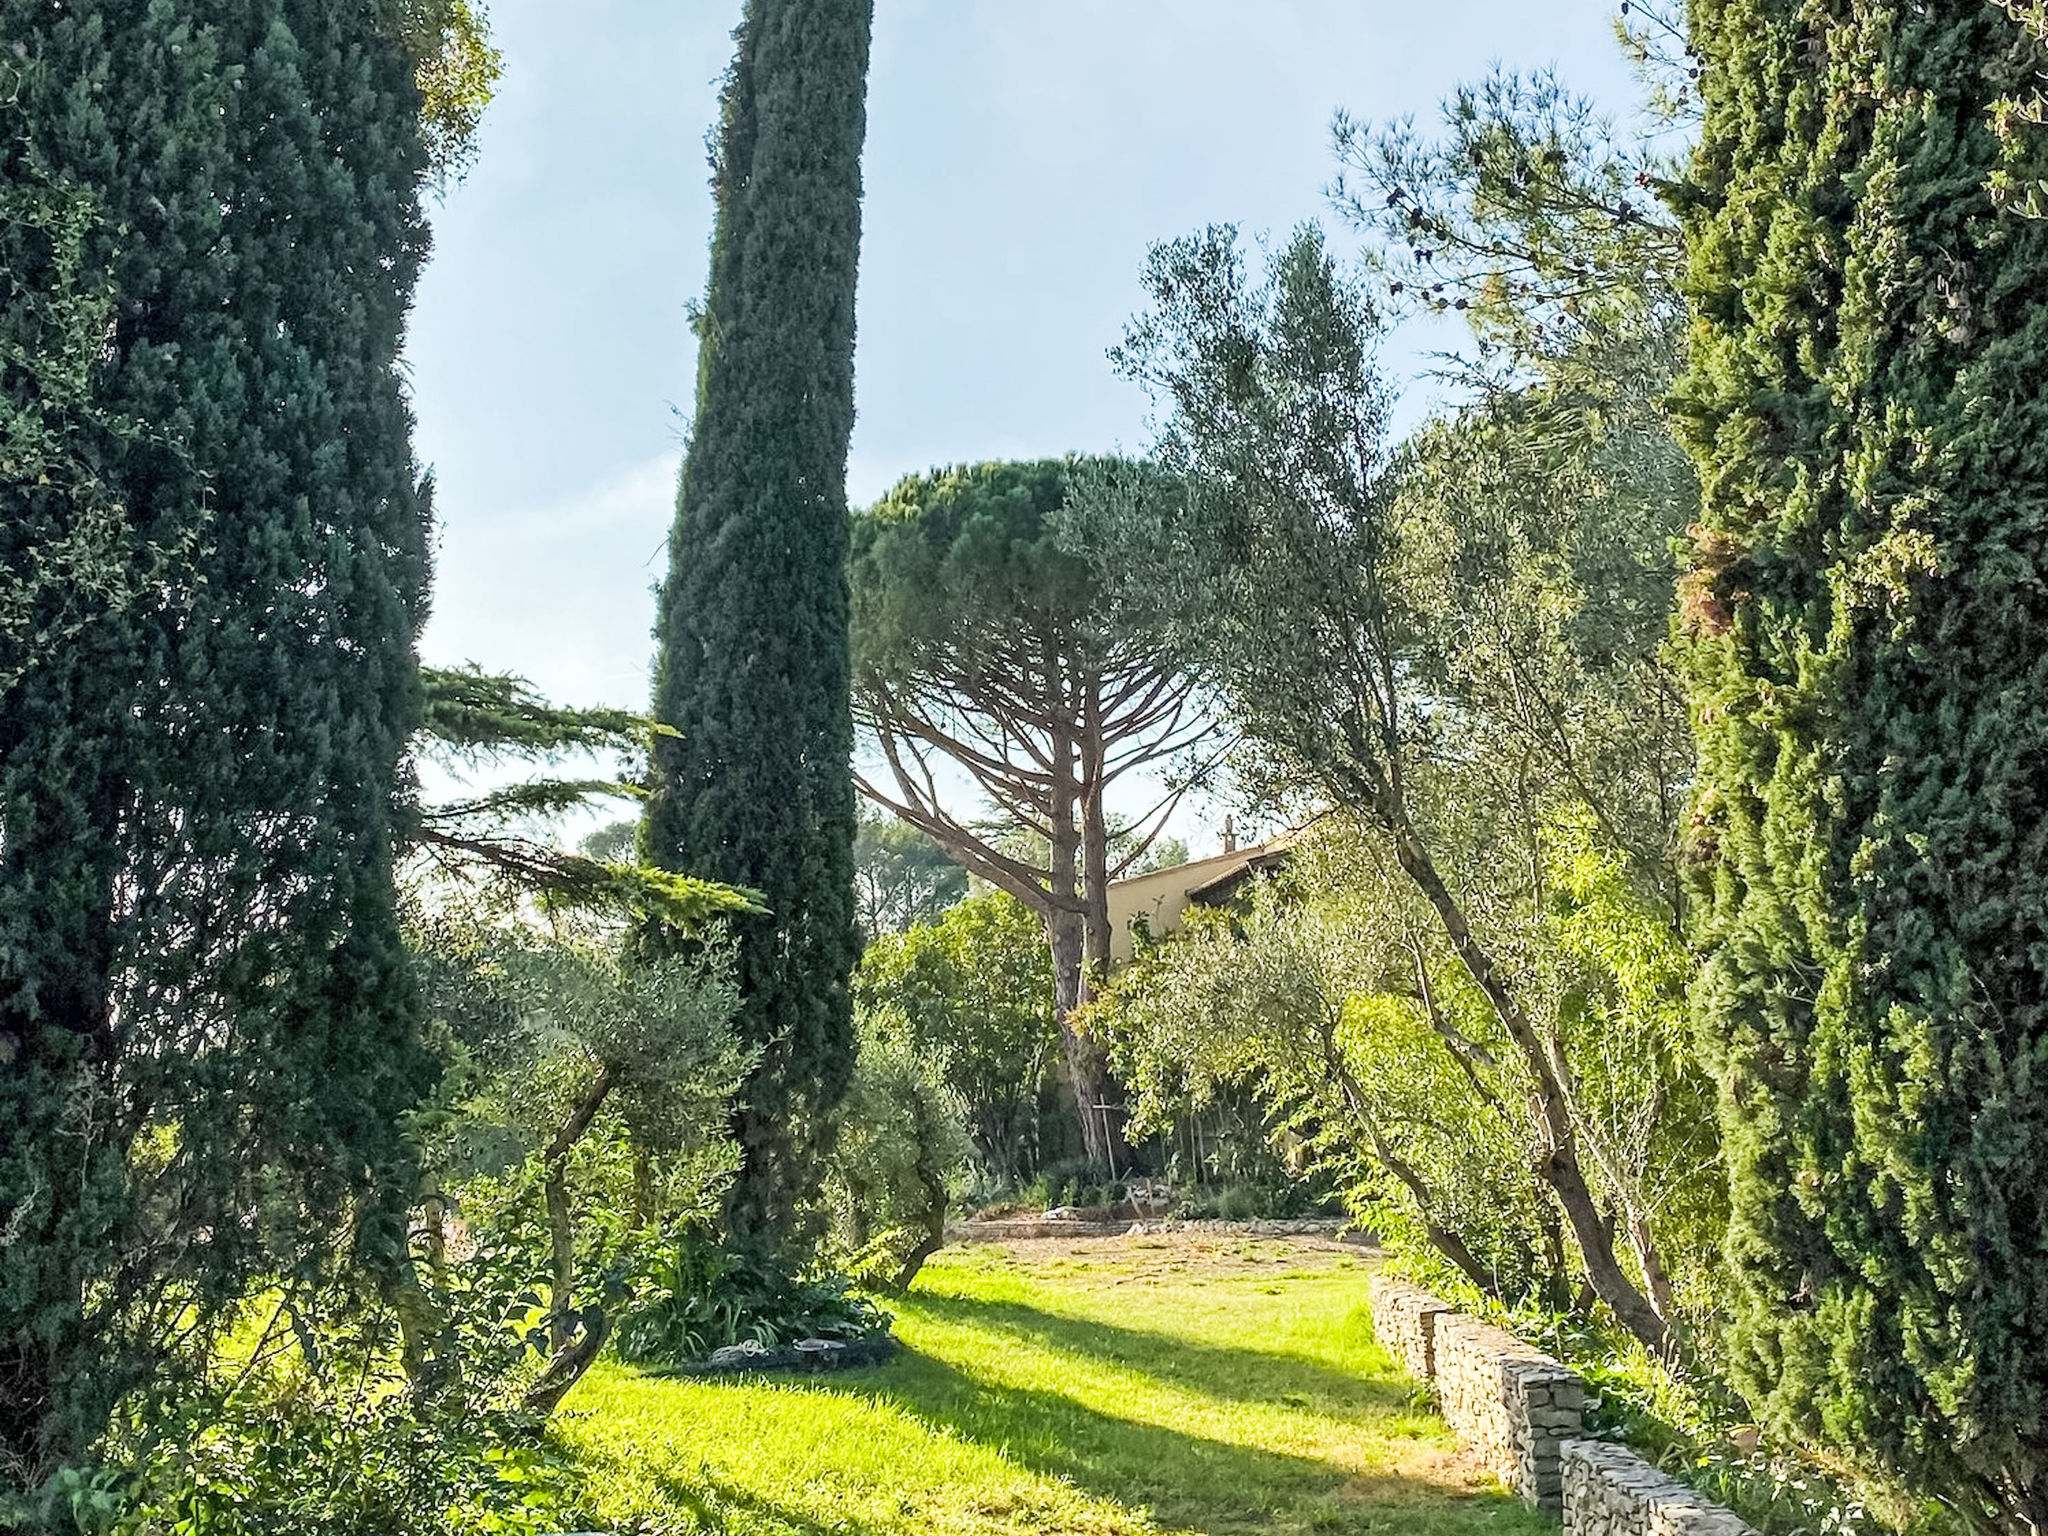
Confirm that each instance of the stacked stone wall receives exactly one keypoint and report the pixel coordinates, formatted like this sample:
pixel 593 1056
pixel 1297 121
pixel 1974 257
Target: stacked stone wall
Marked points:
pixel 1404 1321
pixel 1611 1491
pixel 1508 1401
pixel 1524 1414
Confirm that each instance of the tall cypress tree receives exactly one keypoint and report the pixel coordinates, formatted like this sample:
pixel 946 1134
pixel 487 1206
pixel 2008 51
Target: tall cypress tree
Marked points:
pixel 206 1021
pixel 756 788
pixel 1867 625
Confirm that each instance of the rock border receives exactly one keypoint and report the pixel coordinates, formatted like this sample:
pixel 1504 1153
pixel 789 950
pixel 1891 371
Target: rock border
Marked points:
pixel 1611 1491
pixel 810 1357
pixel 1524 1413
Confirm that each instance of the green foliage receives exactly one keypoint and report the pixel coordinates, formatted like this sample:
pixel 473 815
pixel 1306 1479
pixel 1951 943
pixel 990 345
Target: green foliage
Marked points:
pixel 455 70
pixel 312 1427
pixel 696 1295
pixel 470 714
pixel 752 667
pixel 205 1008
pixel 902 1141
pixel 902 878
pixel 1530 214
pixel 957 571
pixel 73 557
pixel 983 643
pixel 973 993
pixel 1383 1071
pixel 2021 181
pixel 1259 553
pixel 489 848
pixel 1458 645
pixel 1864 628
pixel 584 1112
pixel 1282 1200
pixel 613 842
pixel 1694 1428
pixel 1071 1181
pixel 541 1018
pixel 1310 1000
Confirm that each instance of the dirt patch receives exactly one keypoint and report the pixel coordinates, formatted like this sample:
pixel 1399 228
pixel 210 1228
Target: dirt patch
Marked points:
pixel 1172 1256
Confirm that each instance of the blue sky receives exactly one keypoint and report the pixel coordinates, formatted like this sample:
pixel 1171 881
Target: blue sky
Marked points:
pixel 1021 156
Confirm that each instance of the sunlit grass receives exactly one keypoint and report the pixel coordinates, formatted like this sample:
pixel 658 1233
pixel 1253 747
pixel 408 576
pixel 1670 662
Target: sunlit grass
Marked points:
pixel 1114 1387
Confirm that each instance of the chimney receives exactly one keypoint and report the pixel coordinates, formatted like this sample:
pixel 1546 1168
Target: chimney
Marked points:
pixel 1230 834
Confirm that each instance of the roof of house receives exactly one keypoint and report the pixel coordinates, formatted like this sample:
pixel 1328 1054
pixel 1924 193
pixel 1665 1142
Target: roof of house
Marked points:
pixel 1160 897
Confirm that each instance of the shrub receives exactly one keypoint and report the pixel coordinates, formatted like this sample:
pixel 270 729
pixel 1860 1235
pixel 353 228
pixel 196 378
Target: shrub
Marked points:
pixel 333 1418
pixel 975 990
pixel 695 1296
pixel 1071 1182
pixel 1693 1425
pixel 902 1141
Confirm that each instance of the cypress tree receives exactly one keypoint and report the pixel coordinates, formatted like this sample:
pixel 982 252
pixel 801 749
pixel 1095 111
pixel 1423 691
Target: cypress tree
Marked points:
pixel 1866 619
pixel 206 1020
pixel 755 790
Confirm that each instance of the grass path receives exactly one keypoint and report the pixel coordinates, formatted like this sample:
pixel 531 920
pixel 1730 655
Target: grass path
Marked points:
pixel 1116 1387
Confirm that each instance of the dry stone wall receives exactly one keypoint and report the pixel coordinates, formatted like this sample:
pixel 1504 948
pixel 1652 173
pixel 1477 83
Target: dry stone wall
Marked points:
pixel 1510 1402
pixel 1404 1321
pixel 1524 1413
pixel 1611 1491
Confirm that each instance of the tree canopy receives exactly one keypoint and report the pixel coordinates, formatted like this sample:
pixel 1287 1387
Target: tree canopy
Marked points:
pixel 981 643
pixel 206 1012
pixel 901 876
pixel 1411 636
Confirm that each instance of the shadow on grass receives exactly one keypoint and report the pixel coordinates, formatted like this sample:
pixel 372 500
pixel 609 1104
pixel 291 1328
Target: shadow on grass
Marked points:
pixel 721 1509
pixel 1187 1482
pixel 1221 1371
pixel 1183 1481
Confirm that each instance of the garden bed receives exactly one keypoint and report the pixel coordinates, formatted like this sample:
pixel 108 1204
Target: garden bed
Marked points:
pixel 808 1357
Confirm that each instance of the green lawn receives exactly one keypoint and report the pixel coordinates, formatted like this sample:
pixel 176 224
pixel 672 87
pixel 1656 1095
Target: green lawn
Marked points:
pixel 1119 1387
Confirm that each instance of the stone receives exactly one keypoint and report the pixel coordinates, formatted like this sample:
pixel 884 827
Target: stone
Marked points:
pixel 738 1354
pixel 1404 1321
pixel 1509 1401
pixel 1611 1491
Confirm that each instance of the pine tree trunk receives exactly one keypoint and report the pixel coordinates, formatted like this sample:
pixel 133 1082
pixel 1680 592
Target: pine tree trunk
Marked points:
pixel 1067 932
pixel 1096 929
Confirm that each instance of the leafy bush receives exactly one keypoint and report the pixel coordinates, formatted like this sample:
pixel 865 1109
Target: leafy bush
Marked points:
pixel 331 1418
pixel 975 989
pixel 902 1140
pixel 1251 1200
pixel 695 1296
pixel 1690 1423
pixel 1072 1182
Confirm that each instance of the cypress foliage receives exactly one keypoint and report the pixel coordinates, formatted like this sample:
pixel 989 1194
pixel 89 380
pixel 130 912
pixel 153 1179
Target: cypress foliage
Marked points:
pixel 756 790
pixel 1867 625
pixel 206 1019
